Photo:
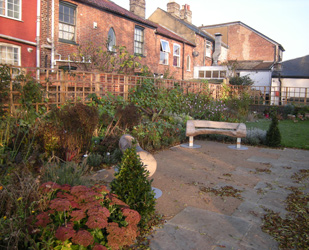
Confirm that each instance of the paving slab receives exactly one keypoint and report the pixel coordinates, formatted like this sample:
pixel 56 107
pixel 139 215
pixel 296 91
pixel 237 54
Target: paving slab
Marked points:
pixel 203 227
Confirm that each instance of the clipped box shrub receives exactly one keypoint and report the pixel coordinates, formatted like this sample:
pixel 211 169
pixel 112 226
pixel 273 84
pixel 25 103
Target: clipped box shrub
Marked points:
pixel 273 136
pixel 132 186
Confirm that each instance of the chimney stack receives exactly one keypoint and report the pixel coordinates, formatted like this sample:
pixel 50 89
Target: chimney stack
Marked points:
pixel 217 52
pixel 173 8
pixel 186 13
pixel 138 7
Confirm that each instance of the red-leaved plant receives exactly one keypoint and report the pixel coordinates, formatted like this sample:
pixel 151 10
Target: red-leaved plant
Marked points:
pixel 81 217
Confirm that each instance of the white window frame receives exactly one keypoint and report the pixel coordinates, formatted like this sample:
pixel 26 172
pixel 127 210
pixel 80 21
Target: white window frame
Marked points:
pixel 139 40
pixel 111 40
pixel 164 52
pixel 175 55
pixel 222 74
pixel 67 24
pixel 6 10
pixel 208 49
pixel 14 47
pixel 188 63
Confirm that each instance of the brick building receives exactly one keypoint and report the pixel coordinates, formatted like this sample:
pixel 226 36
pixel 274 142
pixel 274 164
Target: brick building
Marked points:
pixel 66 25
pixel 18 32
pixel 180 21
pixel 255 54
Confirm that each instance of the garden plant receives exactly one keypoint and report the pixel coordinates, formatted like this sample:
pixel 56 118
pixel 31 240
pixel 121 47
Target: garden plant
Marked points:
pixel 63 146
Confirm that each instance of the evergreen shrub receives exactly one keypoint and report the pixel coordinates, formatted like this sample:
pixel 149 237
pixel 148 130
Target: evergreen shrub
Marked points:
pixel 132 186
pixel 273 136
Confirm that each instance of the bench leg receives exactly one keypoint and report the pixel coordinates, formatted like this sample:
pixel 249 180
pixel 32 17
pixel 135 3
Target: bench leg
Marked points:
pixel 238 145
pixel 190 141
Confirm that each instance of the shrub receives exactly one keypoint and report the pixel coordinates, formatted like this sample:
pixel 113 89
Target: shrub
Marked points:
pixel 17 136
pixel 148 96
pixel 84 218
pixel 128 116
pixel 132 186
pixel 273 136
pixel 287 110
pixel 75 126
pixel 64 173
pixel 18 195
pixel 241 80
pixel 255 136
pixel 95 160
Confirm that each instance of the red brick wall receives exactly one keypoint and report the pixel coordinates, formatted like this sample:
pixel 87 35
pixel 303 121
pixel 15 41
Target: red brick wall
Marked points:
pixel 201 60
pixel 124 30
pixel 244 44
pixel 152 60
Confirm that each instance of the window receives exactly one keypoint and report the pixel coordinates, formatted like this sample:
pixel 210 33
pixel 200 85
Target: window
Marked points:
pixel 188 63
pixel 9 54
pixel 10 8
pixel 111 43
pixel 67 15
pixel 176 55
pixel 164 52
pixel 139 40
pixel 208 49
pixel 212 74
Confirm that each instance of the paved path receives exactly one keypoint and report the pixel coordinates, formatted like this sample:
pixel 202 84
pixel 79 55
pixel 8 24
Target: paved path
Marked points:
pixel 201 229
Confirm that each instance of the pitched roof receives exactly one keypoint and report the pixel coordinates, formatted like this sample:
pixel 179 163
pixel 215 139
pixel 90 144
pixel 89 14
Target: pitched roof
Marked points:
pixel 116 9
pixel 253 65
pixel 192 27
pixel 170 34
pixel 295 68
pixel 245 25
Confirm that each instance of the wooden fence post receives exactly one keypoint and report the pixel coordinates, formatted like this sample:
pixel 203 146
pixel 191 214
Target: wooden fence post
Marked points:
pixel 126 88
pixel 97 84
pixel 62 87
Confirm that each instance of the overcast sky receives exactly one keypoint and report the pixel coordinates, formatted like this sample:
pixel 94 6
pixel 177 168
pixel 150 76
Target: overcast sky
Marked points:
pixel 284 21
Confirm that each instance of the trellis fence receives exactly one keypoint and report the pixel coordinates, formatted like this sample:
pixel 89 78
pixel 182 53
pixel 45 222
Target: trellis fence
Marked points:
pixel 61 86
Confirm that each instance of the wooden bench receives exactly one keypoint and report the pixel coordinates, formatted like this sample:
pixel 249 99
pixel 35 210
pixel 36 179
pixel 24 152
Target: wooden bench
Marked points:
pixel 199 127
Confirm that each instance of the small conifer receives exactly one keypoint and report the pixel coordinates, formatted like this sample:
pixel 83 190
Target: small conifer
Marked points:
pixel 273 136
pixel 132 186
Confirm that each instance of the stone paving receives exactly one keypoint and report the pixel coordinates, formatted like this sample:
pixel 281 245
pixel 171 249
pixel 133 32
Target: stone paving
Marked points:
pixel 200 229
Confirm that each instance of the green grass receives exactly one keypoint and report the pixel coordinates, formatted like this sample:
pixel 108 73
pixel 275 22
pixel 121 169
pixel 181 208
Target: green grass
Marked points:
pixel 293 134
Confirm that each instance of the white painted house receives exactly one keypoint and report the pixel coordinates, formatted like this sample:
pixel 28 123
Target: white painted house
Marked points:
pixel 292 83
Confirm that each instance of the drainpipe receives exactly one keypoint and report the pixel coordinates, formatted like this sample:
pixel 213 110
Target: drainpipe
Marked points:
pixel 52 34
pixel 38 27
pixel 183 61
pixel 204 52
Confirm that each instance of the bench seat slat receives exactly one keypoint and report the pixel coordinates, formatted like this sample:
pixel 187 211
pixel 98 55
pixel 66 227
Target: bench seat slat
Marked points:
pixel 198 127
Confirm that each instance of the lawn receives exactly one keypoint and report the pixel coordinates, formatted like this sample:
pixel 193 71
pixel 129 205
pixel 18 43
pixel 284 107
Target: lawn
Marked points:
pixel 293 134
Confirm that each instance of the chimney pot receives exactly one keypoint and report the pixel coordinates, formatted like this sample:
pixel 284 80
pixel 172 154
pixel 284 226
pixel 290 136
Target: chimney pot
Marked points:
pixel 186 13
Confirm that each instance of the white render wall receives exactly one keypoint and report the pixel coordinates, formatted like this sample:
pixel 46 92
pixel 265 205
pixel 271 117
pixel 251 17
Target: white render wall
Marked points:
pixel 260 78
pixel 290 88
